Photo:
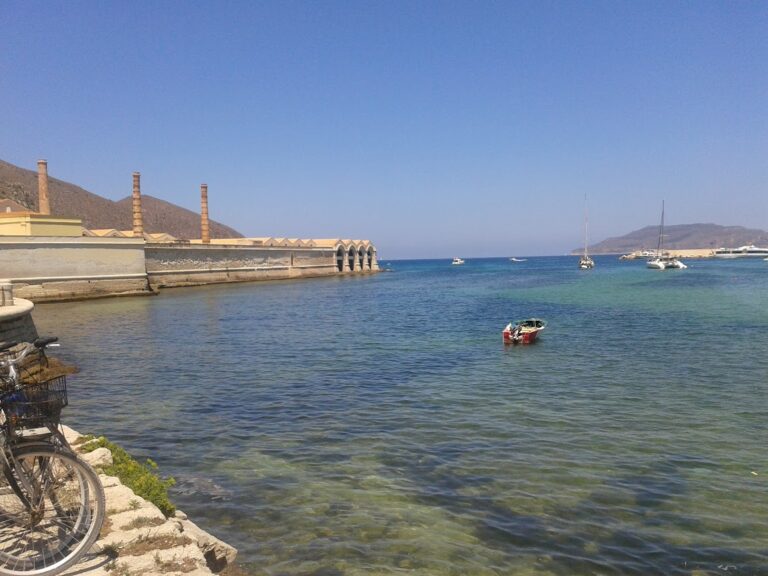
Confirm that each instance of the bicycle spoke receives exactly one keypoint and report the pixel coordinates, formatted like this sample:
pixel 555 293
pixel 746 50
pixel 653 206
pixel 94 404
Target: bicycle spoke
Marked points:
pixel 43 532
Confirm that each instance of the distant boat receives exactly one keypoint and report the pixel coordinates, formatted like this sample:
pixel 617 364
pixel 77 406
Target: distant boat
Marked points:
pixel 523 331
pixel 662 260
pixel 513 259
pixel 750 251
pixel 457 261
pixel 585 262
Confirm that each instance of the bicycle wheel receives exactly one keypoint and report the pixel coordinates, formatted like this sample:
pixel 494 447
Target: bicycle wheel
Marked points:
pixel 51 511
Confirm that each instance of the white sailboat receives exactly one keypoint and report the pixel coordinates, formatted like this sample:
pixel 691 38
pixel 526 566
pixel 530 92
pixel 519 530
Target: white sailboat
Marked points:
pixel 585 262
pixel 662 261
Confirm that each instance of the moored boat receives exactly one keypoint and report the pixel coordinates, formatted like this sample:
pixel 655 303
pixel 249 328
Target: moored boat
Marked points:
pixel 664 260
pixel 523 331
pixel 750 251
pixel 585 262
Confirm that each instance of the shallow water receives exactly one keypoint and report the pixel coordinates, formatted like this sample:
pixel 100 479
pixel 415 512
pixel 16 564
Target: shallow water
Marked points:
pixel 378 425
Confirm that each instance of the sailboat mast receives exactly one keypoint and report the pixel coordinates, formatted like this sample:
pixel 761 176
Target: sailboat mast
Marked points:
pixel 661 232
pixel 586 224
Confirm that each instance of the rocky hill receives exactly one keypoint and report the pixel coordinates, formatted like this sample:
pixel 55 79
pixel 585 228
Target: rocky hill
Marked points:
pixel 681 237
pixel 71 201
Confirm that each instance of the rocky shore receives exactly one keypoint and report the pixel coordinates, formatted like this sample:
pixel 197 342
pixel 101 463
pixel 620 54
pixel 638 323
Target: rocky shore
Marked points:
pixel 137 539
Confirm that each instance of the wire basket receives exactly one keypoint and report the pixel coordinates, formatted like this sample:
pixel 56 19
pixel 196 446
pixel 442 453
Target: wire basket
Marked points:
pixel 35 405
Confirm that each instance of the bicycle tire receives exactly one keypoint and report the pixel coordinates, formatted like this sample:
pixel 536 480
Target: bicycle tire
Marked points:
pixel 48 530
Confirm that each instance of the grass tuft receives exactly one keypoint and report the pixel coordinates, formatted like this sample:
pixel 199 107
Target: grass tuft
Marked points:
pixel 142 478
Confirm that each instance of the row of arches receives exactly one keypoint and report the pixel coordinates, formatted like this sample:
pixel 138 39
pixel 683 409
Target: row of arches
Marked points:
pixel 355 258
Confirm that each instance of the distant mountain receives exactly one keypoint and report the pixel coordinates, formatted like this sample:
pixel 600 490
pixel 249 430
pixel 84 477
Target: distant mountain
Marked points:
pixel 681 236
pixel 70 201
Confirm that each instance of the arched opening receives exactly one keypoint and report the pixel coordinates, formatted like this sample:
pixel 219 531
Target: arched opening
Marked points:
pixel 370 257
pixel 340 259
pixel 361 258
pixel 352 254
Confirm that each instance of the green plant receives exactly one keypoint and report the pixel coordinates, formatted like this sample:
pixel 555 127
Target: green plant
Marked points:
pixel 142 478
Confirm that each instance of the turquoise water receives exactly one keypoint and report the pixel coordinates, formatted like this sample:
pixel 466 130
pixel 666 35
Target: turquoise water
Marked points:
pixel 378 425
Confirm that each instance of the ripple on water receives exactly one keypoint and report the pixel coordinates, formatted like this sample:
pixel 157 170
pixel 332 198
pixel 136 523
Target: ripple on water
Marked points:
pixel 378 426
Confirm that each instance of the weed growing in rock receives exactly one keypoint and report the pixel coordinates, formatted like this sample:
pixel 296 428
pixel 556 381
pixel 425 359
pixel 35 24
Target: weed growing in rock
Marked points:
pixel 142 478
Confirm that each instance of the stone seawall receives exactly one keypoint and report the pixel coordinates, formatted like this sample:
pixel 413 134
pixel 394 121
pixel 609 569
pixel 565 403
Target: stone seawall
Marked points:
pixel 193 265
pixel 45 269
pixel 65 268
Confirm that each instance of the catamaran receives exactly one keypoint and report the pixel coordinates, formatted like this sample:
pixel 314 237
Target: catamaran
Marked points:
pixel 663 260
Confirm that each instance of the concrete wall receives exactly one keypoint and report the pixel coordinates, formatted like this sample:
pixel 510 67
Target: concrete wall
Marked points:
pixel 63 268
pixel 186 265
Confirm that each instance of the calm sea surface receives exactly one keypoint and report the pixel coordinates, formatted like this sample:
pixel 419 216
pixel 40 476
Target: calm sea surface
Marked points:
pixel 378 425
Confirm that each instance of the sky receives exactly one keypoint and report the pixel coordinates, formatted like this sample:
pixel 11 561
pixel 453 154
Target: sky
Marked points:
pixel 434 129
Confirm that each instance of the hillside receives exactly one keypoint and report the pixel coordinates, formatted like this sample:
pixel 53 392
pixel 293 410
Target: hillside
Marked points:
pixel 681 236
pixel 70 201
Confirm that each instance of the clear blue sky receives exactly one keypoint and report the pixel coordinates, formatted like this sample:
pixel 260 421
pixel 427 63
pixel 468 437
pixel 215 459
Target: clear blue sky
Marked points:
pixel 432 128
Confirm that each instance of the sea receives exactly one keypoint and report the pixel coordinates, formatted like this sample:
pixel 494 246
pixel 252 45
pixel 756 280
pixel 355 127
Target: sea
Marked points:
pixel 378 425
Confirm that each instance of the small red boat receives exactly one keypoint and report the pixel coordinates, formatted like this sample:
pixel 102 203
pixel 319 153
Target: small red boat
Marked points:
pixel 523 331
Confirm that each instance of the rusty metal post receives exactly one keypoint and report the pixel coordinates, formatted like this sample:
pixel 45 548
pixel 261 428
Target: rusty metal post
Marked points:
pixel 138 223
pixel 205 235
pixel 43 203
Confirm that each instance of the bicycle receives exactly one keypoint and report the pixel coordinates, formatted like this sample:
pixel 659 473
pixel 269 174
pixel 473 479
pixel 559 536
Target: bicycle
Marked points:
pixel 52 503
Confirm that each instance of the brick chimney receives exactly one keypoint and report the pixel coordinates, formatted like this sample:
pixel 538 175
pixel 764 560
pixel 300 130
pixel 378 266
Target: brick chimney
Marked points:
pixel 205 234
pixel 138 225
pixel 43 203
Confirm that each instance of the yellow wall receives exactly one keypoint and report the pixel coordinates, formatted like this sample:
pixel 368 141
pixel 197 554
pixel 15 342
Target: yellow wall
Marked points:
pixel 39 225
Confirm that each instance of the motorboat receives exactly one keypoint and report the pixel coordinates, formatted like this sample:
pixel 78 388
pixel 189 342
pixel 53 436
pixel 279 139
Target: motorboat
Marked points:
pixel 523 331
pixel 750 251
pixel 457 261
pixel 513 259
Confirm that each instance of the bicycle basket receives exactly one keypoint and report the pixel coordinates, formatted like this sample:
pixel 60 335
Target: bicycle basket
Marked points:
pixel 35 405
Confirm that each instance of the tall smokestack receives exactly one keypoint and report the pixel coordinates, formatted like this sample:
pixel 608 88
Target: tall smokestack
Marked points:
pixel 138 225
pixel 205 234
pixel 43 204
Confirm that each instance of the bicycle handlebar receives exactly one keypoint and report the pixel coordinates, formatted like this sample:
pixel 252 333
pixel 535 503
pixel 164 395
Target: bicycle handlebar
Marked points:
pixel 39 344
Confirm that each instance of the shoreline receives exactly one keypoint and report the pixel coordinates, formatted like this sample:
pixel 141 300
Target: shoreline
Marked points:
pixel 138 539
